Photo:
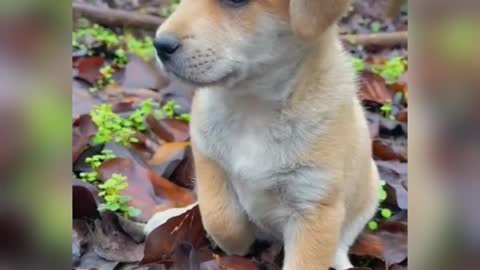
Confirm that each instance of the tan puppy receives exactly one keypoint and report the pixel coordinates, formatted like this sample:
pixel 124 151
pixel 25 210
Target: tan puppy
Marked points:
pixel 281 144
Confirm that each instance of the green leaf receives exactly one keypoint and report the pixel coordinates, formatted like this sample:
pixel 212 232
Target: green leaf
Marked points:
pixel 124 199
pixel 386 213
pixel 383 195
pixel 113 207
pixel 110 198
pixel 133 212
pixel 373 225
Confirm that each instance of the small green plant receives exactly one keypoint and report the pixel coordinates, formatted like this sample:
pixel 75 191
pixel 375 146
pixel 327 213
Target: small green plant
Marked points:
pixel 387 111
pixel 170 111
pixel 137 119
pixel 121 59
pixel 143 48
pixel 106 79
pixel 359 65
pixel 393 69
pixel 96 33
pixel 110 191
pixel 375 27
pixel 112 127
pixel 385 213
pixel 95 162
pixel 169 9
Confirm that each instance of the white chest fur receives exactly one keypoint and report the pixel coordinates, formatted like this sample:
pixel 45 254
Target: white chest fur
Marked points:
pixel 259 148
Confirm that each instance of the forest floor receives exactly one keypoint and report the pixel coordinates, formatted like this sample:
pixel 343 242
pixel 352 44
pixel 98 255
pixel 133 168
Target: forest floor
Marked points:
pixel 132 157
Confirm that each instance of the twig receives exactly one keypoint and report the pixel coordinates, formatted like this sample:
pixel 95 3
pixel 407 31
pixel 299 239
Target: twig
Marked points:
pixel 113 17
pixel 383 39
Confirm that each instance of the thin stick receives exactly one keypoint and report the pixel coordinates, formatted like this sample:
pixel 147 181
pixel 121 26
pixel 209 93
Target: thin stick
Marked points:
pixel 383 39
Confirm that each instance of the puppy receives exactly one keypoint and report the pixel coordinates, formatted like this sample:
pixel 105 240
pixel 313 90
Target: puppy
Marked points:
pixel 280 140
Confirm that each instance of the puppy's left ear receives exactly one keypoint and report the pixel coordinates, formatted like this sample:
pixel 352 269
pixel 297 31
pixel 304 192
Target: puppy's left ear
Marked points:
pixel 309 18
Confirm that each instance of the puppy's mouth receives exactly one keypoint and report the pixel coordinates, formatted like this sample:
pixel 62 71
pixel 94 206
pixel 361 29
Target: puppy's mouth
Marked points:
pixel 197 81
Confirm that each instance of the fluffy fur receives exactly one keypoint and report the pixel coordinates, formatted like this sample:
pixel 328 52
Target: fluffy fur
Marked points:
pixel 280 141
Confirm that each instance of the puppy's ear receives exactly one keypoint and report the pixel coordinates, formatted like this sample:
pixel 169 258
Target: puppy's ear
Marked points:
pixel 309 18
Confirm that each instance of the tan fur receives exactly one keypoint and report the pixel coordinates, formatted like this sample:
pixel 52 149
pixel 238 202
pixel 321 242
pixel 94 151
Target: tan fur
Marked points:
pixel 336 154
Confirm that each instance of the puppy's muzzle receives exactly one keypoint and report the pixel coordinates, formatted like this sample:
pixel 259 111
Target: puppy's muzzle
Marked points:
pixel 166 45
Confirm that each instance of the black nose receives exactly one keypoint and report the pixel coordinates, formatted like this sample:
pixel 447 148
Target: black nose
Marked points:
pixel 166 45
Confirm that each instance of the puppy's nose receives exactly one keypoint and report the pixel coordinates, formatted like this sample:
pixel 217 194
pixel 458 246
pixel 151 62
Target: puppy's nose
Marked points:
pixel 166 45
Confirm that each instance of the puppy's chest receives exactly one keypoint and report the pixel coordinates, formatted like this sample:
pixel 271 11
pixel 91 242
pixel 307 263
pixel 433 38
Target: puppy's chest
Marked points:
pixel 260 155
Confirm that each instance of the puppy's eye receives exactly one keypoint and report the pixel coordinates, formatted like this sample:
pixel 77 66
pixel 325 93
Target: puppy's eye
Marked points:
pixel 235 3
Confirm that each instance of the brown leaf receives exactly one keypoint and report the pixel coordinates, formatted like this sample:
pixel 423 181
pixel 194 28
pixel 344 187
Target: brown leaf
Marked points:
pixel 186 258
pixel 83 131
pixel 395 174
pixel 80 239
pixel 167 152
pixel 84 200
pixel 149 191
pixel 89 68
pixel 141 74
pixel 388 244
pixel 386 149
pixel 169 130
pixel 230 263
pixel 394 236
pixel 374 89
pixel 113 245
pixel 184 174
pixel 164 239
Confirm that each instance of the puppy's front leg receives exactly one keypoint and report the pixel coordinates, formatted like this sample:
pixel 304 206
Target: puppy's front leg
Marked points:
pixel 311 239
pixel 222 216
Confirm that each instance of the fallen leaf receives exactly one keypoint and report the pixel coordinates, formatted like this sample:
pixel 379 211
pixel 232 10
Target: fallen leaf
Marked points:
pixel 388 149
pixel 113 245
pixel 141 74
pixel 395 174
pixel 171 228
pixel 230 263
pixel 168 151
pixel 374 89
pixel 84 200
pixel 184 173
pixel 83 131
pixel 169 130
pixel 186 258
pixel 89 68
pixel 388 244
pixel 149 191
pixel 80 239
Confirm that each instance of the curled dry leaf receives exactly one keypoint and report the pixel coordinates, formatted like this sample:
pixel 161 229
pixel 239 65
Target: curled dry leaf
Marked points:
pixel 84 200
pixel 169 229
pixel 168 157
pixel 169 130
pixel 374 89
pixel 388 244
pixel 89 68
pixel 83 131
pixel 384 149
pixel 149 191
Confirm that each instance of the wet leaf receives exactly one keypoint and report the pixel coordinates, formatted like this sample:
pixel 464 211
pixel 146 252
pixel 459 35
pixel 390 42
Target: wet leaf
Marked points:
pixel 169 130
pixel 141 74
pixel 84 200
pixel 374 89
pixel 89 68
pixel 83 131
pixel 112 244
pixel 395 174
pixel 388 149
pixel 169 229
pixel 149 191
pixel 230 262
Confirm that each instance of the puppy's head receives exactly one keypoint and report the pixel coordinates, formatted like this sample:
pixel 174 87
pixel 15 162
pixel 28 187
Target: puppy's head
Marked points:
pixel 213 42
